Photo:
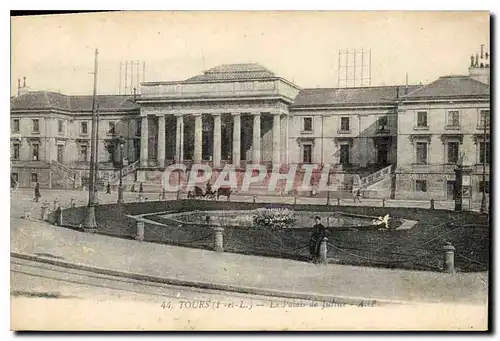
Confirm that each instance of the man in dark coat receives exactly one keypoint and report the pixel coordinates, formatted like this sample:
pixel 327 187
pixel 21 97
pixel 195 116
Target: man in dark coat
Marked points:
pixel 37 192
pixel 316 238
pixel 108 189
pixel 141 190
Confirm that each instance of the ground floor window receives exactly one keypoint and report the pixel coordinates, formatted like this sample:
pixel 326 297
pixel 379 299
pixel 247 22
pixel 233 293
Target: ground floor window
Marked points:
pixel 307 153
pixel 34 177
pixel 421 185
pixel 344 154
pixel 14 177
pixel 483 187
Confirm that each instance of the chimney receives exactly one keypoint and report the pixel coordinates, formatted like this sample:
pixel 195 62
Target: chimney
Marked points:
pixel 24 82
pixel 18 86
pixel 482 51
pixel 135 90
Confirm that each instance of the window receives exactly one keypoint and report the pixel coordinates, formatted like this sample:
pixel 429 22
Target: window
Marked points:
pixel 138 126
pixel 452 152
pixel 421 185
pixel 307 153
pixel 35 150
pixel 422 119
pixel 14 177
pixel 34 177
pixel 111 128
pixel 454 118
pixel 382 124
pixel 484 118
pixel 15 152
pixel 59 126
pixel 83 153
pixel 84 128
pixel 15 126
pixel 60 153
pixel 344 154
pixel 422 152
pixel 482 187
pixel 36 126
pixel 482 151
pixel 344 123
pixel 307 124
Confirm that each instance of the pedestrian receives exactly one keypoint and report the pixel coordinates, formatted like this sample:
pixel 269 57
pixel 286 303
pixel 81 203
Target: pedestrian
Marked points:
pixel 316 238
pixel 37 192
pixel 357 195
pixel 133 188
pixel 108 189
pixel 141 190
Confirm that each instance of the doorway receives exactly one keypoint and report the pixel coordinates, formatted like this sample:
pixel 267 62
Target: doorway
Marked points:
pixel 450 189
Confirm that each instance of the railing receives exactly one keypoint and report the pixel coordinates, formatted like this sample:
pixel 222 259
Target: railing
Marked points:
pixel 115 176
pixel 375 177
pixel 71 174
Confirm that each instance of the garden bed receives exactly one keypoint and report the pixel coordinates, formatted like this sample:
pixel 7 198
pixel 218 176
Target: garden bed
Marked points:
pixel 418 248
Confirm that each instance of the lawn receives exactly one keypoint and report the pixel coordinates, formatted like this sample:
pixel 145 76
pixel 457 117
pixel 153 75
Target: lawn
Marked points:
pixel 419 248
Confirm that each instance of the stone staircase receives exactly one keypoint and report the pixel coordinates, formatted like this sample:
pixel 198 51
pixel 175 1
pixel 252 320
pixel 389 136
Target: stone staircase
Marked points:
pixel 375 184
pixel 114 176
pixel 66 173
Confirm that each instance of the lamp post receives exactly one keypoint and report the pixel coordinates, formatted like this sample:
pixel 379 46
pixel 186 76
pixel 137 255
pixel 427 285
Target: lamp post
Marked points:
pixel 121 142
pixel 458 183
pixel 483 197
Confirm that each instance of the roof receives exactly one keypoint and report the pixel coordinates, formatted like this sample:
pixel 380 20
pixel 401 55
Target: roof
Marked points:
pixel 234 72
pixel 54 100
pixel 351 96
pixel 451 86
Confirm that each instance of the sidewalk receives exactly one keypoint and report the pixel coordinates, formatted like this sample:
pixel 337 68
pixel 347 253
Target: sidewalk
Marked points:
pixel 236 272
pixel 81 198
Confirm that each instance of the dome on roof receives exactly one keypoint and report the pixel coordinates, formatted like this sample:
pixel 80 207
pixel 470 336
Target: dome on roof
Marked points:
pixel 230 72
pixel 237 68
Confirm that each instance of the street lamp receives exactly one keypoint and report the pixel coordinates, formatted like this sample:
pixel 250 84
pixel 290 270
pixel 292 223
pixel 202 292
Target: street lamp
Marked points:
pixel 121 142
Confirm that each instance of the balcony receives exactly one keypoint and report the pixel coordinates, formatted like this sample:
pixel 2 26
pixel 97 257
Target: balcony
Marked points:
pixel 452 127
pixel 344 131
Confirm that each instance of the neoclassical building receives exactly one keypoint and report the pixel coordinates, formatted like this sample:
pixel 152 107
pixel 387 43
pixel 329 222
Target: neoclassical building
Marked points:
pixel 239 114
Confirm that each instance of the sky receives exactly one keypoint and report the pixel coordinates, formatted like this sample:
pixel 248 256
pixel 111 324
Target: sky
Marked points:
pixel 56 52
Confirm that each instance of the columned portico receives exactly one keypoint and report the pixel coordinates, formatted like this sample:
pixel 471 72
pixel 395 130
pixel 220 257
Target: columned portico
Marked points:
pixel 144 141
pixel 198 134
pixel 276 138
pixel 236 139
pixel 161 141
pixel 179 139
pixel 256 138
pixel 217 140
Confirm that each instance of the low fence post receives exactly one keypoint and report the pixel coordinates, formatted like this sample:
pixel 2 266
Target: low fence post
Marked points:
pixel 328 198
pixel 254 199
pixel 383 202
pixel 432 204
pixel 295 200
pixel 322 251
pixel 178 194
pixel 56 202
pixel 60 216
pixel 218 239
pixel 338 201
pixel 449 258
pixel 140 231
pixel 72 202
pixel 45 210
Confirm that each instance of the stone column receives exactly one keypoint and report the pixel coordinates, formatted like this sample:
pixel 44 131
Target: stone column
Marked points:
pixel 217 140
pixel 198 137
pixel 236 139
pixel 256 139
pixel 276 139
pixel 284 139
pixel 161 141
pixel 144 142
pixel 179 139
